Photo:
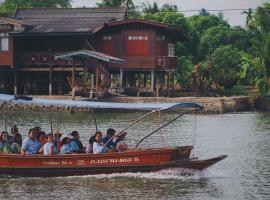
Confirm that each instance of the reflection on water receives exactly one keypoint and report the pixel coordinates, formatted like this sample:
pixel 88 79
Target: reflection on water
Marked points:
pixel 245 174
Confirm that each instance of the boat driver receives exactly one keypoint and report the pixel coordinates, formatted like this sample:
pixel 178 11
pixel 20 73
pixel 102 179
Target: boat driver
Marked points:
pixel 110 143
pixel 31 145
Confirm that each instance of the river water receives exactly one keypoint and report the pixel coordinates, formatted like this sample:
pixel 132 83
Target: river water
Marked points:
pixel 245 174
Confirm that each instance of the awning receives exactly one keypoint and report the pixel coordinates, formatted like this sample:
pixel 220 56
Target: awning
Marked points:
pixel 86 54
pixel 101 105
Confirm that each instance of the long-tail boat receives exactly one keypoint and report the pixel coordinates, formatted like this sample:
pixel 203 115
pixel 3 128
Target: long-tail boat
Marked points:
pixel 132 160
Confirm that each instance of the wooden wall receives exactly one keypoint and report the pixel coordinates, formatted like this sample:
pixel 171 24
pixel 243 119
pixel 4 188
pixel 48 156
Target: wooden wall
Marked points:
pixel 6 57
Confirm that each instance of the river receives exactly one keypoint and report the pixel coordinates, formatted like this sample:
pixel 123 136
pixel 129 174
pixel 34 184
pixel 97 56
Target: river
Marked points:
pixel 245 174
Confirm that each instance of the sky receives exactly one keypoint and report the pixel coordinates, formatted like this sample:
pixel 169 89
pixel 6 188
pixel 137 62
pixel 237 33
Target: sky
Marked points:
pixel 233 17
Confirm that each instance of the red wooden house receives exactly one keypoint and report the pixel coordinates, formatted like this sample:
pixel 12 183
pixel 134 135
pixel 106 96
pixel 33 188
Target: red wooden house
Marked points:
pixel 29 43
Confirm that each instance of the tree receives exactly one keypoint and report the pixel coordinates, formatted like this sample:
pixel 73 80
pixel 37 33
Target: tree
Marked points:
pixel 116 3
pixel 8 7
pixel 201 23
pixel 258 24
pixel 220 35
pixel 226 66
pixel 150 8
pixel 203 12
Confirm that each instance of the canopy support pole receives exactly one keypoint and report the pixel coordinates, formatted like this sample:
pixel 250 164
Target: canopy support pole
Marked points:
pixel 134 122
pixel 187 111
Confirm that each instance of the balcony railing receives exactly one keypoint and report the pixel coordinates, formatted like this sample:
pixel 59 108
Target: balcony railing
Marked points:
pixel 46 59
pixel 42 59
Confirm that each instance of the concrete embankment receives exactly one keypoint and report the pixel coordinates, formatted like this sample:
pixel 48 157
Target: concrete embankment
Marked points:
pixel 215 105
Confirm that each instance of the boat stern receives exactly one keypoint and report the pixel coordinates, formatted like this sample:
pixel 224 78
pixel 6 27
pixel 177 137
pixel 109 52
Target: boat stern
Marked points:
pixel 181 153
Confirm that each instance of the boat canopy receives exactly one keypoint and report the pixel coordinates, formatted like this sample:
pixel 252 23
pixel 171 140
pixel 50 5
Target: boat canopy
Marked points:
pixel 86 54
pixel 101 105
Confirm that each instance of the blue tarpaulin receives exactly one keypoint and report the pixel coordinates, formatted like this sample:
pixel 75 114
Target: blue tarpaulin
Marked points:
pixel 100 105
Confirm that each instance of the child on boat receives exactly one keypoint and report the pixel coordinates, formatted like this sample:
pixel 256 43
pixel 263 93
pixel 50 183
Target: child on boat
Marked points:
pixel 98 145
pixel 5 145
pixel 49 148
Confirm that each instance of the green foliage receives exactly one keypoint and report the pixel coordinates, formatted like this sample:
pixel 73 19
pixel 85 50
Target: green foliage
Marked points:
pixel 258 24
pixel 201 23
pixel 184 69
pixel 226 66
pixel 236 90
pixel 217 36
pixel 8 7
pixel 116 3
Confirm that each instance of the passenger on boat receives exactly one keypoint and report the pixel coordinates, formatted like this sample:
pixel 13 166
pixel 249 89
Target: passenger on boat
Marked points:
pixel 41 138
pixel 31 145
pixel 5 145
pixel 15 133
pixel 65 146
pixel 76 144
pixel 16 144
pixel 37 129
pixel 98 145
pixel 49 148
pixel 89 146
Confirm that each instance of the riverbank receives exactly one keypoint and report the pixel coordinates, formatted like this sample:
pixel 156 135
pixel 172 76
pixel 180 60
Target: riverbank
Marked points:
pixel 215 105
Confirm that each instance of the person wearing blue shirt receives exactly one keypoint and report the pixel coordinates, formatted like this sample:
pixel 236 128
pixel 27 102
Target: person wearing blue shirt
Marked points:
pixel 76 144
pixel 109 142
pixel 66 146
pixel 107 139
pixel 31 145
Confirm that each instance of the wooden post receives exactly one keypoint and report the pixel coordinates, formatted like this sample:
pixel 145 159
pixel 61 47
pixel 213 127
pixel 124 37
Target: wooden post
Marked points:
pixel 97 79
pixel 73 80
pixel 15 82
pixel 152 80
pixel 50 72
pixel 121 78
pixel 84 74
pixel 92 85
pixel 50 81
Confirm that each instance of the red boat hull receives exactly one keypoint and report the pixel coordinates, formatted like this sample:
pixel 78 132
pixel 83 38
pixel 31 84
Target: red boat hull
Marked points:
pixel 137 160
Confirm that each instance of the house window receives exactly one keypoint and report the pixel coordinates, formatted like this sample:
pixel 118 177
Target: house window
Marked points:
pixel 4 42
pixel 5 27
pixel 171 50
pixel 137 45
pixel 107 37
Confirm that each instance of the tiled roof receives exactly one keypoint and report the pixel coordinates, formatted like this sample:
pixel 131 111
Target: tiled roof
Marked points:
pixel 67 20
pixel 12 21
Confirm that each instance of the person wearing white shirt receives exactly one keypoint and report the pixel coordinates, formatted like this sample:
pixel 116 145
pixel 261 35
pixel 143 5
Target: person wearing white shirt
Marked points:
pixel 98 146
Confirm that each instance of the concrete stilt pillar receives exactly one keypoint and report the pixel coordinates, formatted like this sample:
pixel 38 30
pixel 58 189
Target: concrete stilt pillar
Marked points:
pixel 121 78
pixel 73 81
pixel 152 80
pixel 50 82
pixel 92 85
pixel 15 82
